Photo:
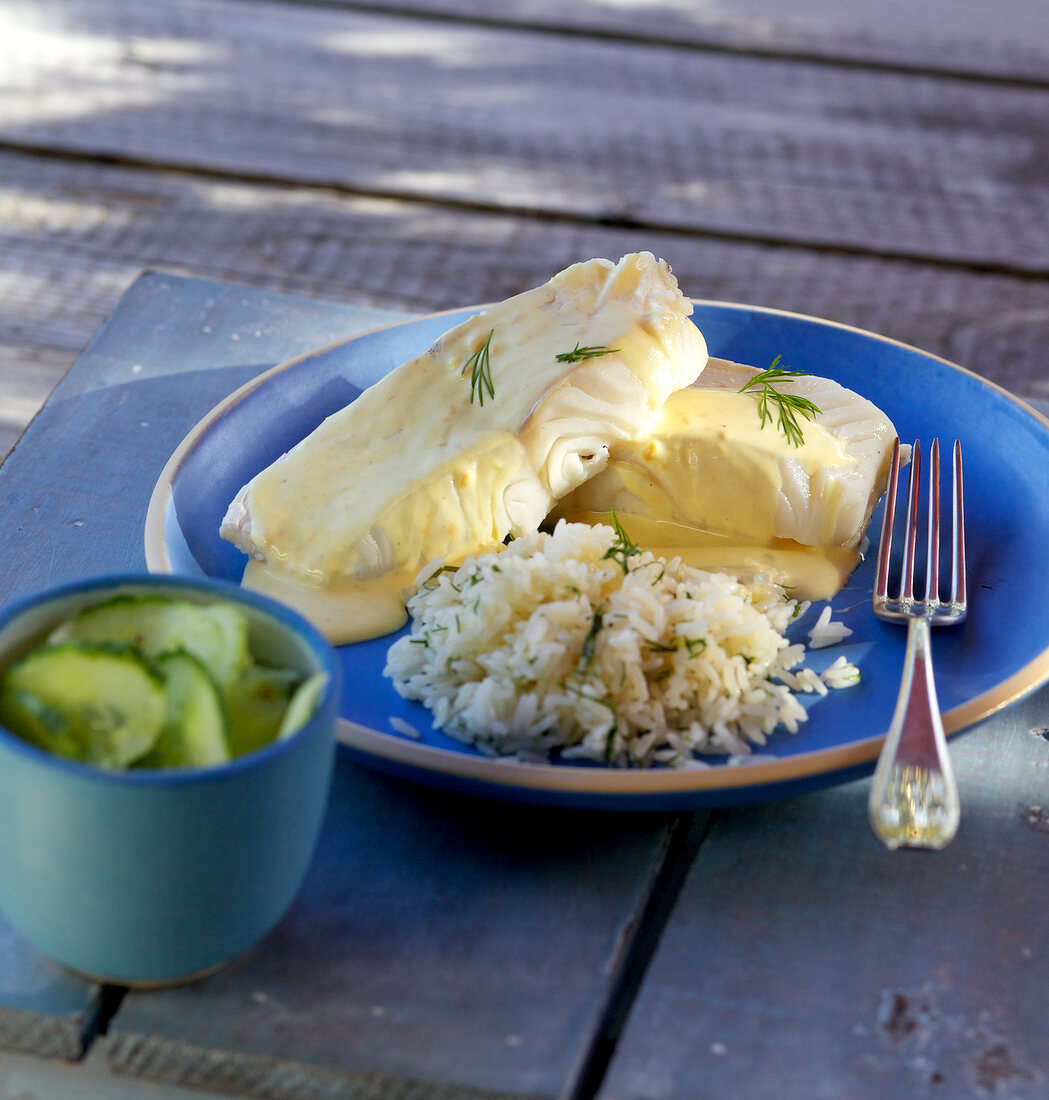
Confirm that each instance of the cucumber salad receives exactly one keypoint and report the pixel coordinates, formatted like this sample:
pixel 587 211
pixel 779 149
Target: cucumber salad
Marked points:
pixel 152 681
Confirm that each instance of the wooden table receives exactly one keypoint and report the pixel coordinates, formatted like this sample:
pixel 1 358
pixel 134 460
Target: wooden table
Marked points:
pixel 331 165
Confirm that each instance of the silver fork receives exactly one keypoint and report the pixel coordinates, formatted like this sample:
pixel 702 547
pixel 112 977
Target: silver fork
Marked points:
pixel 914 798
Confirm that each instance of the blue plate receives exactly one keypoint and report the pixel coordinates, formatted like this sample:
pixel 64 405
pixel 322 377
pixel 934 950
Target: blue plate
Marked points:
pixel 999 655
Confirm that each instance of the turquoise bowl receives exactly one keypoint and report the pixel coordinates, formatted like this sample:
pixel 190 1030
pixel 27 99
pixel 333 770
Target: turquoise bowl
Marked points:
pixel 147 878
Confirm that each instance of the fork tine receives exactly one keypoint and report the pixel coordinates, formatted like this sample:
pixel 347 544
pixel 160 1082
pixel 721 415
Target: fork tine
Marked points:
pixel 881 579
pixel 932 560
pixel 911 527
pixel 958 587
pixel 913 799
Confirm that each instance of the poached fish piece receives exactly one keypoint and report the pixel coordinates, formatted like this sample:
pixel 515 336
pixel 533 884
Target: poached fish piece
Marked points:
pixel 712 483
pixel 471 441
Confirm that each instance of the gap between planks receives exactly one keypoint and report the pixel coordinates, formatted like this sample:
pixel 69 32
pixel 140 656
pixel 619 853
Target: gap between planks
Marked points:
pixel 74 237
pixel 646 38
pixel 641 938
pixel 613 221
pixel 751 150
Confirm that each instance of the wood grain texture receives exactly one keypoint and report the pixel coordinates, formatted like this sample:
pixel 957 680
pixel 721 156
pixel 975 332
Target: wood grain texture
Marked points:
pixel 27 376
pixel 587 130
pixel 23 1077
pixel 1007 40
pixel 41 1030
pixel 73 237
pixel 857 976
pixel 173 1070
pixel 44 1009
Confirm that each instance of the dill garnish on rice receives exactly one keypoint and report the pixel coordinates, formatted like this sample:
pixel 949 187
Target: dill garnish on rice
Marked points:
pixel 576 644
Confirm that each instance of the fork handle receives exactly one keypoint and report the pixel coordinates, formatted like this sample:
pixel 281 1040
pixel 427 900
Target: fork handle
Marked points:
pixel 914 798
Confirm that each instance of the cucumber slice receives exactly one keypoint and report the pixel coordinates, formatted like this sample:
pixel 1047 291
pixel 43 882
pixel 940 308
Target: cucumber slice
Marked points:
pixel 303 704
pixel 194 730
pixel 234 656
pixel 84 701
pixel 40 723
pixel 216 634
pixel 255 705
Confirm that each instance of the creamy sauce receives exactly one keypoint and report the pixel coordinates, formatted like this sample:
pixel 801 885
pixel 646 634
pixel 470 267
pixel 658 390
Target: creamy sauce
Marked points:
pixel 350 612
pixel 704 485
pixel 708 483
pixel 708 463
pixel 732 418
pixel 713 485
pixel 807 572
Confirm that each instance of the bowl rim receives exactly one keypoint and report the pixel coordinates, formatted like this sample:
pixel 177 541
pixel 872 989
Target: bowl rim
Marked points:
pixel 284 616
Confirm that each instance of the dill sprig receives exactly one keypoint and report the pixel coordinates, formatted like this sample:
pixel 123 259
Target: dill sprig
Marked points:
pixel 480 367
pixel 788 405
pixel 589 647
pixel 624 546
pixel 578 354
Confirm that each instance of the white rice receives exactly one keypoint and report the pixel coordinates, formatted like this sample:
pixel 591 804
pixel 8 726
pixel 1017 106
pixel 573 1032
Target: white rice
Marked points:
pixel 405 729
pixel 825 632
pixel 563 645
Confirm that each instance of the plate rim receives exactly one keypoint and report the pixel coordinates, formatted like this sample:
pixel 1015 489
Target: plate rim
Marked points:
pixel 758 770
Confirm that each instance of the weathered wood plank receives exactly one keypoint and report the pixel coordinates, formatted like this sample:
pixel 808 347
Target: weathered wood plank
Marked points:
pixel 73 237
pixel 856 977
pixel 28 1078
pixel 43 1009
pixel 666 137
pixel 1006 40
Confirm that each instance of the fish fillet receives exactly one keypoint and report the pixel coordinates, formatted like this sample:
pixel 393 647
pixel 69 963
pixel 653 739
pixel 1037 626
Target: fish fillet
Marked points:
pixel 433 462
pixel 709 473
